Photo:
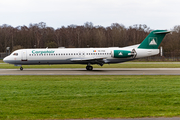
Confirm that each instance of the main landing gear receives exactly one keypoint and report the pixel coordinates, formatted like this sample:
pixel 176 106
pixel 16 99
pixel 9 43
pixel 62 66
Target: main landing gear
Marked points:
pixel 89 67
pixel 21 68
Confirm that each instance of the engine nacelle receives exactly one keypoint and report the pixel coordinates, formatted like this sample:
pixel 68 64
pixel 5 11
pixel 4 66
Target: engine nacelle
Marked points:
pixel 123 53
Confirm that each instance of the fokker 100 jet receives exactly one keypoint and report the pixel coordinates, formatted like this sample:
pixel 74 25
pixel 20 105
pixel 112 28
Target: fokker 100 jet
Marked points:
pixel 88 56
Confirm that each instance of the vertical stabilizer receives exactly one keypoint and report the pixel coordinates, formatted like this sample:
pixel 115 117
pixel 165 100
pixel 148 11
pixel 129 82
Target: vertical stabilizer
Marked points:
pixel 153 40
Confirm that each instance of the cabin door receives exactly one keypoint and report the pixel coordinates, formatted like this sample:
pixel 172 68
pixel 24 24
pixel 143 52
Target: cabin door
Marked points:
pixel 24 55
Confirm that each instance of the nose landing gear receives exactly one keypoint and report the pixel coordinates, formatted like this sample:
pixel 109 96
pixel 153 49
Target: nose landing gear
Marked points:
pixel 21 68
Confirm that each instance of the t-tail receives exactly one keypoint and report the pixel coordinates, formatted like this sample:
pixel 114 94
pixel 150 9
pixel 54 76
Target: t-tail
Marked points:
pixel 153 40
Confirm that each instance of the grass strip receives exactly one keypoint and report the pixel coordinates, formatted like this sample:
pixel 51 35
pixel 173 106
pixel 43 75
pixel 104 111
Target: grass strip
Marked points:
pixel 72 97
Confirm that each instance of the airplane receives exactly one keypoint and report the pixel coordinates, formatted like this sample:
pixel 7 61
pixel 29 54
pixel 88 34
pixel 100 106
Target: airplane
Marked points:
pixel 88 56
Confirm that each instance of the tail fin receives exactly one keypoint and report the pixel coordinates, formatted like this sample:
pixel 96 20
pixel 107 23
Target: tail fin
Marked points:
pixel 153 40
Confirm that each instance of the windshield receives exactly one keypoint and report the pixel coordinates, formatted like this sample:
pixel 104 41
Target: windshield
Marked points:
pixel 15 54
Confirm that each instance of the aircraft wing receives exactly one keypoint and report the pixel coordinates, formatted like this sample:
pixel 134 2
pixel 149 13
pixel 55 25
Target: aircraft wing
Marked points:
pixel 86 59
pixel 94 60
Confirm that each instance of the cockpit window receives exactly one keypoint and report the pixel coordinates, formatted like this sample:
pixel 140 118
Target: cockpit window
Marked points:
pixel 16 54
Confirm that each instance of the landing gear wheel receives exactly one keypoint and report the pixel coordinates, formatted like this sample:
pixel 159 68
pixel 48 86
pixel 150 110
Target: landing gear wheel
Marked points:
pixel 21 68
pixel 89 68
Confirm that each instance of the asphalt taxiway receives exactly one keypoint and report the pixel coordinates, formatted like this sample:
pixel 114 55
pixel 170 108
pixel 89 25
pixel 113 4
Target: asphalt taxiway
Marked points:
pixel 96 71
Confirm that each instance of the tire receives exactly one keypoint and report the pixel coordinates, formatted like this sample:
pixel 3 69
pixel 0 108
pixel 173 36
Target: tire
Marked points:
pixel 21 68
pixel 89 68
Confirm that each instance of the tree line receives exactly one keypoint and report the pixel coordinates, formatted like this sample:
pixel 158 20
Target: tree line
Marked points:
pixel 87 35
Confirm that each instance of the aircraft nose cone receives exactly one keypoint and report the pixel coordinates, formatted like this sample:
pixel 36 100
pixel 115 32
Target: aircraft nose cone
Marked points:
pixel 5 59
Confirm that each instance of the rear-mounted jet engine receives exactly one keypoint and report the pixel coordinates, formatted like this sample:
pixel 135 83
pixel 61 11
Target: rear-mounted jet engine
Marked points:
pixel 123 53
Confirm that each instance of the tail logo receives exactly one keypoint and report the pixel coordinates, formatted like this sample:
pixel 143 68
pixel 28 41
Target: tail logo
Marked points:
pixel 153 41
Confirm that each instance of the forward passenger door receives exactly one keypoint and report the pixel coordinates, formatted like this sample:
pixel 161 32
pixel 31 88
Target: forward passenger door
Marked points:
pixel 24 55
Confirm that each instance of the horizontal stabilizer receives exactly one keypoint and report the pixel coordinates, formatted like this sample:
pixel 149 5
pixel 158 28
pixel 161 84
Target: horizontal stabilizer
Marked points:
pixel 164 32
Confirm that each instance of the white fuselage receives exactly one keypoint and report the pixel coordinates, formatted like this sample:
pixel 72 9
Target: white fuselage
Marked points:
pixel 74 56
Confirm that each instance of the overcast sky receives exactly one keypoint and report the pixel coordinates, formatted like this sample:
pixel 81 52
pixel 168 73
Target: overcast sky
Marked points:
pixel 156 14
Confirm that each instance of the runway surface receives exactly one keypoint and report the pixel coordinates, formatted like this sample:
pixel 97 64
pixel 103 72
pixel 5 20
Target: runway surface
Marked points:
pixel 96 71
